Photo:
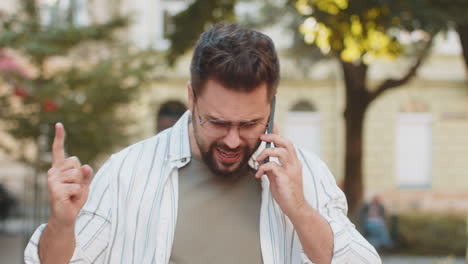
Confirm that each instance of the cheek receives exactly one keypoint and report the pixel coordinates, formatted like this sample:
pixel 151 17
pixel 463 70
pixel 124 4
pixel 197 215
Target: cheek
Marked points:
pixel 253 145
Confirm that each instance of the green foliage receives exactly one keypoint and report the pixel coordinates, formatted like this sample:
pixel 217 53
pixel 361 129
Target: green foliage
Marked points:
pixel 362 30
pixel 55 40
pixel 432 234
pixel 359 30
pixel 284 16
pixel 80 75
pixel 190 23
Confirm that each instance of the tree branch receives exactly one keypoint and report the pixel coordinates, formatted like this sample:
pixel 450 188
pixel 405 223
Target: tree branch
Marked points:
pixel 392 83
pixel 462 30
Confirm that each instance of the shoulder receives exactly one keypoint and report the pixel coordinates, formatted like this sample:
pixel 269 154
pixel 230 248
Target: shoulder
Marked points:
pixel 148 151
pixel 311 162
pixel 144 148
pixel 319 183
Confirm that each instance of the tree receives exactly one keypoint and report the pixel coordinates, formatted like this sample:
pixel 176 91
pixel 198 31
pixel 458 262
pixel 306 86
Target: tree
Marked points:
pixel 357 33
pixel 190 23
pixel 55 69
pixel 80 75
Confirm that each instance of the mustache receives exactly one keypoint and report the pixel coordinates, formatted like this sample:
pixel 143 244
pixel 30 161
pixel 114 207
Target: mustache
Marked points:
pixel 225 148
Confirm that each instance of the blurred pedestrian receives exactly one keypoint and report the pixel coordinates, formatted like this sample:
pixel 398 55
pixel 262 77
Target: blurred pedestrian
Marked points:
pixel 374 224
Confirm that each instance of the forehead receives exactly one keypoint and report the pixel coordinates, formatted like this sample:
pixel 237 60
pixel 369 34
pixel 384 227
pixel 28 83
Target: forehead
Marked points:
pixel 227 104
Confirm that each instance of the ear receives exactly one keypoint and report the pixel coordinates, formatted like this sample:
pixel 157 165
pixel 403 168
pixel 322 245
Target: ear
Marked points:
pixel 190 95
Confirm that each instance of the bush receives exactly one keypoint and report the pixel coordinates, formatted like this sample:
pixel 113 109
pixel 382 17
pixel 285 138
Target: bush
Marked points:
pixel 432 233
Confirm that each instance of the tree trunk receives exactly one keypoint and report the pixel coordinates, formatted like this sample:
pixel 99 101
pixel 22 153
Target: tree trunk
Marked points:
pixel 357 101
pixel 463 33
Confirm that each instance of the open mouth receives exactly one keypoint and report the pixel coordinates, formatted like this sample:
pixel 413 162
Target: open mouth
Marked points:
pixel 227 156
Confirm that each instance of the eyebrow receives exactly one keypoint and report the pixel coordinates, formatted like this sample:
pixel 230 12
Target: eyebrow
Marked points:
pixel 238 121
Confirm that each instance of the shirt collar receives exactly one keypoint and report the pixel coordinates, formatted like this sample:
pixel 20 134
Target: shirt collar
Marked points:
pixel 179 151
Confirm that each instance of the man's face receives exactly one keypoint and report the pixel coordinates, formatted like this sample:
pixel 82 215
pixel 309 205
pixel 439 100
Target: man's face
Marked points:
pixel 227 149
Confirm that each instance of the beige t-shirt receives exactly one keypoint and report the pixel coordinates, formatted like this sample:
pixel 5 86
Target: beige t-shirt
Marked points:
pixel 218 219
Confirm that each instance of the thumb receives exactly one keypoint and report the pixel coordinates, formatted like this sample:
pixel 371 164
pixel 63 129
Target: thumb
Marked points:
pixel 87 173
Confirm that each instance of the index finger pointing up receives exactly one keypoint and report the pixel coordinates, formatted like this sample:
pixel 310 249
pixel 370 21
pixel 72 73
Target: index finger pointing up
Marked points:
pixel 58 151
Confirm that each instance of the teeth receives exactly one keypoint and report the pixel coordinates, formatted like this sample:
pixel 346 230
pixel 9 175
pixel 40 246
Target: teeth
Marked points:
pixel 227 154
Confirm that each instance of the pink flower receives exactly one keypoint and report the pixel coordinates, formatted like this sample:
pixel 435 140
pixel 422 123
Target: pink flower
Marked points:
pixel 9 65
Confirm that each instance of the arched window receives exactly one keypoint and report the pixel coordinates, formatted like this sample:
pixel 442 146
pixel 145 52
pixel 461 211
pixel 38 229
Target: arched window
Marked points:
pixel 414 145
pixel 169 113
pixel 302 126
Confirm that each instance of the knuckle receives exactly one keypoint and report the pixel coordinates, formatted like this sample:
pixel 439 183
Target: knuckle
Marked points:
pixel 75 160
pixel 77 174
pixel 50 172
pixel 73 171
pixel 77 188
pixel 270 165
pixel 53 190
pixel 50 182
pixel 283 151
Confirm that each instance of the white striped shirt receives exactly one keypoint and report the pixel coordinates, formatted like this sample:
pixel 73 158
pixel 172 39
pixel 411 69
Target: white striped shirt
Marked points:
pixel 131 211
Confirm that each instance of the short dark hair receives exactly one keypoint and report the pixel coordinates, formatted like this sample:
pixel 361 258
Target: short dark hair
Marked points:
pixel 239 58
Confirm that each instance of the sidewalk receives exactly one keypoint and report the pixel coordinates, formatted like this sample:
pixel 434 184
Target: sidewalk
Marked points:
pixel 11 252
pixel 421 260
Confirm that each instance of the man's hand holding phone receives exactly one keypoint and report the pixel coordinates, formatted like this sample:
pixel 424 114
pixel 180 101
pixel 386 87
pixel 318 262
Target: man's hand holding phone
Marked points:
pixel 285 179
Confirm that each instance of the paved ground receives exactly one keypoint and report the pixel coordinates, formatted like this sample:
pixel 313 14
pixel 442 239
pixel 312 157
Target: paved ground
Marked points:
pixel 11 252
pixel 421 260
pixel 12 247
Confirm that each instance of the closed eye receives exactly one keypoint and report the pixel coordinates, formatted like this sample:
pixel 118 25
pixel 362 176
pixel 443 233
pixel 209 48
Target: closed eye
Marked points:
pixel 219 123
pixel 248 125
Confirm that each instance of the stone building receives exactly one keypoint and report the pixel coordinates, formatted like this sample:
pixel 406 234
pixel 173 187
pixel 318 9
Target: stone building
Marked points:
pixel 415 136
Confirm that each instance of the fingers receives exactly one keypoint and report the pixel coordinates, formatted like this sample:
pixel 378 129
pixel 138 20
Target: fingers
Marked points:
pixel 73 190
pixel 280 153
pixel 71 172
pixel 279 141
pixel 87 173
pixel 66 190
pixel 73 176
pixel 65 184
pixel 58 151
pixel 270 168
pixel 69 163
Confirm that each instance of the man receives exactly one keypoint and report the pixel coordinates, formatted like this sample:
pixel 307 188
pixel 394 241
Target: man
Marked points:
pixel 372 216
pixel 200 192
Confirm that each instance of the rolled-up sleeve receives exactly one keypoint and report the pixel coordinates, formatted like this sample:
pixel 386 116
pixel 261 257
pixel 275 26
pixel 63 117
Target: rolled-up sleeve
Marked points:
pixel 349 246
pixel 92 228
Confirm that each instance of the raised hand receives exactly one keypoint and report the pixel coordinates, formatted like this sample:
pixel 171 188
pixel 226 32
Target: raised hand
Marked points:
pixel 68 183
pixel 285 179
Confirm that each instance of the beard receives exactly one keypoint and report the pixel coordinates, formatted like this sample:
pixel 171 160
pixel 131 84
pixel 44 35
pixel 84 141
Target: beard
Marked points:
pixel 218 168
pixel 234 170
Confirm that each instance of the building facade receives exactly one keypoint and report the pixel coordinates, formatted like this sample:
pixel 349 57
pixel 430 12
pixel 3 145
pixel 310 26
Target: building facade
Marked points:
pixel 415 136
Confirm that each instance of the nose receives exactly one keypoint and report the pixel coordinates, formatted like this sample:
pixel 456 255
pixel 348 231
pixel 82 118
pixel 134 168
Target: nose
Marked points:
pixel 232 139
